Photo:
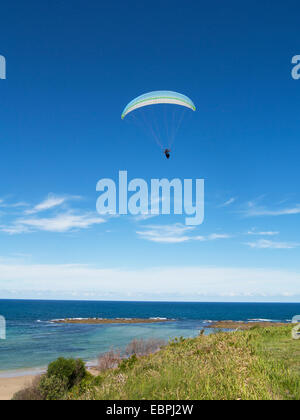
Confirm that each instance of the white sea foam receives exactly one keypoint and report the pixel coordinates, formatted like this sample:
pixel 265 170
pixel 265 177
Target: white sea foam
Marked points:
pixel 158 318
pixel 262 320
pixel 127 319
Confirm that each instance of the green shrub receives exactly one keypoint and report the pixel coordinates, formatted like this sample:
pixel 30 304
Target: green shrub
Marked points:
pixel 97 380
pixel 128 363
pixel 53 387
pixel 62 375
pixel 70 371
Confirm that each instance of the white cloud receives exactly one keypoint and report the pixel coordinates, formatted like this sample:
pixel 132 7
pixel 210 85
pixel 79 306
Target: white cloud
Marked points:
pixel 19 204
pixel 166 233
pixel 14 229
pixel 176 233
pixel 63 221
pixel 4 204
pixel 60 223
pixel 229 202
pixel 49 203
pixel 143 217
pixel 254 211
pixel 267 244
pixel 214 236
pixel 266 233
pixel 192 283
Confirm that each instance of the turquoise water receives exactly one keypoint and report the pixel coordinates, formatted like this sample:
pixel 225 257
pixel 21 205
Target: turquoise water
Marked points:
pixel 33 341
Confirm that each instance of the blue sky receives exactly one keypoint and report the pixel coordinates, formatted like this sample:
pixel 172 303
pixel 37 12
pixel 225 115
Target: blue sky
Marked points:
pixel 71 69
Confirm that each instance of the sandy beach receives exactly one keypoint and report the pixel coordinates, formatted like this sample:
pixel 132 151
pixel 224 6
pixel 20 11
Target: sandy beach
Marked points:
pixel 9 386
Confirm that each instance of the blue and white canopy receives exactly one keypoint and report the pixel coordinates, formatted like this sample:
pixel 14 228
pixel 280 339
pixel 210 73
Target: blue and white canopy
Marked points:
pixel 158 97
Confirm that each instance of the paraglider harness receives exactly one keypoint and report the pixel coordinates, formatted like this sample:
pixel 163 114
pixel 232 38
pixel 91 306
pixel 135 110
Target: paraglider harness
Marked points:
pixel 167 153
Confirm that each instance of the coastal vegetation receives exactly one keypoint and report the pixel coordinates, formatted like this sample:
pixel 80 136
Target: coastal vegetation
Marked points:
pixel 254 364
pixel 61 377
pixel 239 325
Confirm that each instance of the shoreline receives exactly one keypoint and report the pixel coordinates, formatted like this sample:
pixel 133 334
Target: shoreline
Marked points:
pixel 35 371
pixel 21 373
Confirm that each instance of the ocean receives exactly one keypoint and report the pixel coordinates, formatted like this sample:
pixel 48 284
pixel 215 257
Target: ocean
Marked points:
pixel 32 341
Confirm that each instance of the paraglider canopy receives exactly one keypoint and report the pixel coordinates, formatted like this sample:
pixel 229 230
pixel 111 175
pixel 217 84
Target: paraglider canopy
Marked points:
pixel 158 97
pixel 163 118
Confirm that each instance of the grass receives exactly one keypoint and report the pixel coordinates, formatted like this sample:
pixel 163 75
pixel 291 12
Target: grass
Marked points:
pixel 279 349
pixel 258 364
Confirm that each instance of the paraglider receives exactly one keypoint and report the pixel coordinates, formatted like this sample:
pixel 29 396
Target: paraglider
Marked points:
pixel 161 114
pixel 167 153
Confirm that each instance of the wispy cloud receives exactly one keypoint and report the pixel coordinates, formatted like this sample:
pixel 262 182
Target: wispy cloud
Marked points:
pixel 267 244
pixel 143 217
pixel 59 217
pixel 229 202
pixel 263 233
pixel 50 202
pixel 64 222
pixel 256 211
pixel 215 236
pixel 155 283
pixel 5 204
pixel 166 233
pixel 14 229
pixel 176 233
